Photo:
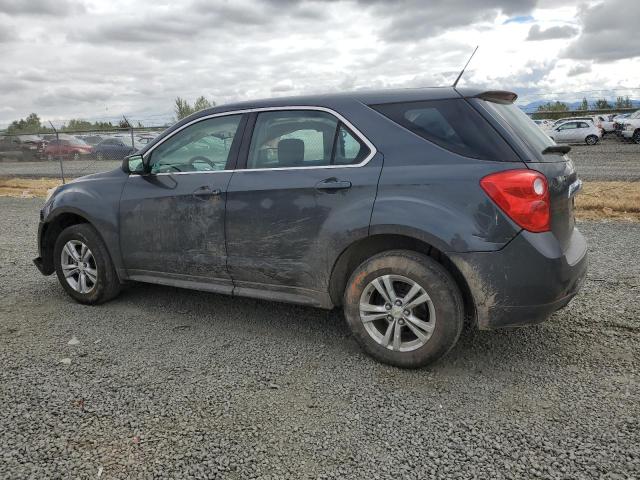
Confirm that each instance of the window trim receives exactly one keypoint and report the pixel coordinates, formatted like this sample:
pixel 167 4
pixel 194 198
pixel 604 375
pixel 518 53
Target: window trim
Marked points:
pixel 240 164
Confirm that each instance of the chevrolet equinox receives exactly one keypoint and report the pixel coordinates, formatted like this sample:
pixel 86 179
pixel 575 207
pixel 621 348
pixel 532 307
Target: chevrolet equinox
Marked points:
pixel 413 210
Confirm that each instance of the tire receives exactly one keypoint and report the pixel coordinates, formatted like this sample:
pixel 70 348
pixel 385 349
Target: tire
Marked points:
pixel 76 156
pixel 106 285
pixel 636 136
pixel 443 312
pixel 591 140
pixel 99 157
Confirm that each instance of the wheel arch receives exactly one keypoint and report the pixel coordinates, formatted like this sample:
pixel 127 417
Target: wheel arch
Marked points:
pixel 360 250
pixel 53 228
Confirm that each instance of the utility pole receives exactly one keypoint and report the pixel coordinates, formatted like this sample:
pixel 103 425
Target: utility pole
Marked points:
pixel 59 151
pixel 130 130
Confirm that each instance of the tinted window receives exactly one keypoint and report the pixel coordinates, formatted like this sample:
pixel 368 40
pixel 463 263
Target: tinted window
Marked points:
pixel 292 139
pixel 203 146
pixel 520 123
pixel 451 124
pixel 348 149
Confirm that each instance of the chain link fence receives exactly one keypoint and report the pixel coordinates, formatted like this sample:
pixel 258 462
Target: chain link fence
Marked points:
pixel 60 153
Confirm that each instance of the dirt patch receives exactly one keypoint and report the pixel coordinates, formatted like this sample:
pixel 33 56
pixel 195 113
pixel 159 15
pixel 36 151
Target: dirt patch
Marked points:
pixel 598 200
pixel 27 187
pixel 603 200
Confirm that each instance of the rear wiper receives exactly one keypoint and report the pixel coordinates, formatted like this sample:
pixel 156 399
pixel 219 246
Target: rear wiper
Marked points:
pixel 563 149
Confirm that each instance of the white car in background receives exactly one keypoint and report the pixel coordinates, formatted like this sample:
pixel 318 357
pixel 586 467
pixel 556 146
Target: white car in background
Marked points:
pixel 631 127
pixel 544 123
pixel 575 131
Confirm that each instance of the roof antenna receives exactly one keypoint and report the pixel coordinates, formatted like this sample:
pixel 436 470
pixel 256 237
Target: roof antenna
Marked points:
pixel 455 84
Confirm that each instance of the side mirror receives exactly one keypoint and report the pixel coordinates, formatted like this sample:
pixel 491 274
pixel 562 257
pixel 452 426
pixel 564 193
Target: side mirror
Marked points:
pixel 134 164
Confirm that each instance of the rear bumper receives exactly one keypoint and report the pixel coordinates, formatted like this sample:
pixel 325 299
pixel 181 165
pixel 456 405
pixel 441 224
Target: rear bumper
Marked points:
pixel 526 281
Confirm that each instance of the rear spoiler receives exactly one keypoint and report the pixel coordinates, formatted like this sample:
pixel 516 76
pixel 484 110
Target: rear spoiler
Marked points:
pixel 498 96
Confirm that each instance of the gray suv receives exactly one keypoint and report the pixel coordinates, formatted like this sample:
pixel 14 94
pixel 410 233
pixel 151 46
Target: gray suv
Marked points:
pixel 412 210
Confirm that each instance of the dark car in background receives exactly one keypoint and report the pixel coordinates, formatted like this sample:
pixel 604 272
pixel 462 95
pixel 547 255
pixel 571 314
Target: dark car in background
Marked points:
pixel 21 147
pixel 112 149
pixel 414 211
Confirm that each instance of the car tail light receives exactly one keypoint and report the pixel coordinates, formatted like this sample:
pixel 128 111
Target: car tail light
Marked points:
pixel 523 195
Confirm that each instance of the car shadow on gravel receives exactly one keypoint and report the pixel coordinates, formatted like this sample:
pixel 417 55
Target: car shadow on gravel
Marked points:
pixel 205 313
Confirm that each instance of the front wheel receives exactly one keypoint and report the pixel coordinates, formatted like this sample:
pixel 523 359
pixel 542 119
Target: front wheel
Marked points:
pixel 404 308
pixel 636 136
pixel 83 265
pixel 591 140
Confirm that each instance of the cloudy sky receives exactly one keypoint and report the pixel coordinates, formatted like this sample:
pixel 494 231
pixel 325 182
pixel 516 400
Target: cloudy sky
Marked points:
pixel 99 59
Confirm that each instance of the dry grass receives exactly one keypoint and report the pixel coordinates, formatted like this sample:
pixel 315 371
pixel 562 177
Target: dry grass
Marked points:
pixel 27 187
pixel 598 200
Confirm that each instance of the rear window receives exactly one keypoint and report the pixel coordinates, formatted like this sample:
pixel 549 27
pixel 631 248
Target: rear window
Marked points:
pixel 521 125
pixel 453 125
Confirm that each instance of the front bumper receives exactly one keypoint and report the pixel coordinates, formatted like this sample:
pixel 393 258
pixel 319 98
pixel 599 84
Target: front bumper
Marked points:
pixel 43 261
pixel 526 281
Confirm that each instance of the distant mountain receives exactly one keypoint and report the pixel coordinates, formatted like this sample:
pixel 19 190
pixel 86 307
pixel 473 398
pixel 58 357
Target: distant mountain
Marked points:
pixel 533 106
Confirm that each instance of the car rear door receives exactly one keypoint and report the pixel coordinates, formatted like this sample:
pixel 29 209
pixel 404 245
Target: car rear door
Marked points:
pixel 304 189
pixel 172 227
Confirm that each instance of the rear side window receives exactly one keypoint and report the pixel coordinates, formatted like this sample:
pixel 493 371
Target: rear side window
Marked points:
pixel 302 138
pixel 453 125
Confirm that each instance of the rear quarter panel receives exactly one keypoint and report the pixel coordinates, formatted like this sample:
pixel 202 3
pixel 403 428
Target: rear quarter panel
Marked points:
pixel 433 194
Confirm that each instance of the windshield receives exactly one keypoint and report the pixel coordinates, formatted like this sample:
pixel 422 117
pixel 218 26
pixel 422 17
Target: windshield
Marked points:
pixel 635 114
pixel 521 124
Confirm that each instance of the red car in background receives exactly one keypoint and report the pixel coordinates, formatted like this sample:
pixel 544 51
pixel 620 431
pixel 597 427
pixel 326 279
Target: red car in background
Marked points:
pixel 66 147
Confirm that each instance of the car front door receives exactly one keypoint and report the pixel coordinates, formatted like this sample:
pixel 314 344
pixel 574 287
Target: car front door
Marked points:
pixel 172 227
pixel 566 132
pixel 304 190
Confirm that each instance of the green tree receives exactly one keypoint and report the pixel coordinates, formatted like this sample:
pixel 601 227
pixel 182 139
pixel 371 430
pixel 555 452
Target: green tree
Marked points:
pixel 553 107
pixel 202 103
pixel 584 105
pixel 31 124
pixel 601 104
pixel 183 109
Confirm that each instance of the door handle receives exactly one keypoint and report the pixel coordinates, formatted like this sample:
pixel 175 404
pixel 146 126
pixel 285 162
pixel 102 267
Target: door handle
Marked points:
pixel 332 184
pixel 206 191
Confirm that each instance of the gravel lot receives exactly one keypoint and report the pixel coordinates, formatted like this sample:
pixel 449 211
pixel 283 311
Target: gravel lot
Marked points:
pixel 174 383
pixel 610 160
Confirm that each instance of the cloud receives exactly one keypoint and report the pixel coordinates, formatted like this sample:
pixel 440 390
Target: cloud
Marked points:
pixel 134 57
pixel 609 32
pixel 519 19
pixel 41 7
pixel 551 33
pixel 412 20
pixel 579 69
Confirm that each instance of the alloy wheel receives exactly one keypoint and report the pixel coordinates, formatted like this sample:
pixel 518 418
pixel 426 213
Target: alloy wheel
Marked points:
pixel 397 313
pixel 79 266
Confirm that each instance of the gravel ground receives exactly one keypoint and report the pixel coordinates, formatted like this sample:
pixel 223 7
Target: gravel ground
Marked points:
pixel 610 160
pixel 173 383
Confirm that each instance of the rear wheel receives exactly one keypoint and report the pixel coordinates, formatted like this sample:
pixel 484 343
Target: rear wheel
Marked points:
pixel 76 156
pixel 403 308
pixel 83 265
pixel 636 136
pixel 99 156
pixel 591 140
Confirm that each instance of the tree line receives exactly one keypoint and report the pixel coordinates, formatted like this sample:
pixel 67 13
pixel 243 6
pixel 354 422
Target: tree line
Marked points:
pixel 600 104
pixel 33 124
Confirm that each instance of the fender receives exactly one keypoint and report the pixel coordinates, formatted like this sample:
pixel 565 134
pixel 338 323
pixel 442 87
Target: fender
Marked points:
pixel 98 205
